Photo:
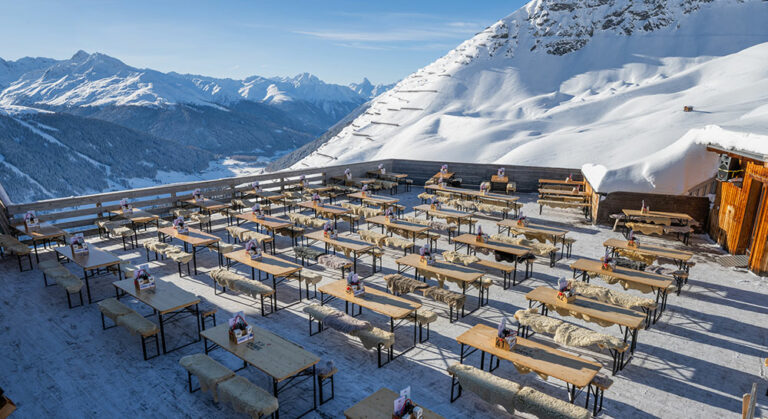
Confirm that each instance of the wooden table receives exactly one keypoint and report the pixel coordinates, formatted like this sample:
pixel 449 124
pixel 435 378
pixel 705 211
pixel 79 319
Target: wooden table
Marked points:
pixel 555 234
pixel 273 196
pixel 208 205
pixel 193 237
pixel 386 176
pixel 658 283
pixel 268 222
pixel 137 217
pixel 446 175
pixel 355 246
pixel 519 252
pixel 629 321
pixel 44 233
pixel 170 302
pixel 413 229
pixel 354 180
pixel 679 256
pixel 565 192
pixel 461 274
pixel 95 260
pixel 579 183
pixel 444 213
pixel 282 360
pixel 577 372
pixel 653 216
pixel 332 211
pixel 379 200
pixel 381 405
pixel 392 306
pixel 477 195
pixel 270 265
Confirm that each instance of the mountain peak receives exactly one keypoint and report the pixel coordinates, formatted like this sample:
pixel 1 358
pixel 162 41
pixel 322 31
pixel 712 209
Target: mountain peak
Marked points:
pixel 80 55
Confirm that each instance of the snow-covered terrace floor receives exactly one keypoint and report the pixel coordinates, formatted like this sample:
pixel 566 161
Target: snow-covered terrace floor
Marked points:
pixel 702 356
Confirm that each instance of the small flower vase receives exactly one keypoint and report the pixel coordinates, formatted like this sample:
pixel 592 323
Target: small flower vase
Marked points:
pixel 502 343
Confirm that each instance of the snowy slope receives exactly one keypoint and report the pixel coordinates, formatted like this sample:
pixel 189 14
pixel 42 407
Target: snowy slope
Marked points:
pixel 565 83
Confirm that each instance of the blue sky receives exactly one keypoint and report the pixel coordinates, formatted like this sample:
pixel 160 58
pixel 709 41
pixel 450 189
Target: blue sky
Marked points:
pixel 339 41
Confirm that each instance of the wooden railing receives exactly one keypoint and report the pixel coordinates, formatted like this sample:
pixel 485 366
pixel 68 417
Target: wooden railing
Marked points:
pixel 80 213
pixel 705 188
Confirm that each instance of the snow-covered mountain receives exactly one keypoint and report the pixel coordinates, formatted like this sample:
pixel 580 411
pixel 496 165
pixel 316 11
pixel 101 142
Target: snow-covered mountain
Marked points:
pixel 569 82
pixel 206 117
pixel 367 89
pixel 97 79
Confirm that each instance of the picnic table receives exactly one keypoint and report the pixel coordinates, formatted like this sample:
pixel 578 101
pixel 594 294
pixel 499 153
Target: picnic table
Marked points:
pixel 680 257
pixel 273 196
pixel 564 192
pixel 560 182
pixel 576 371
pixel 346 243
pixel 354 180
pixel 332 211
pixel 535 229
pixel 446 175
pixel 268 222
pixel 460 274
pixel 208 205
pixel 285 362
pixel 392 306
pixel 659 217
pixel 193 237
pixel 378 200
pixel 519 252
pixel 95 260
pixel 44 233
pixel 445 213
pixel 604 314
pixel 386 176
pixel 381 405
pixel 136 217
pixel 170 302
pixel 270 265
pixel 475 194
pixel 412 229
pixel 628 278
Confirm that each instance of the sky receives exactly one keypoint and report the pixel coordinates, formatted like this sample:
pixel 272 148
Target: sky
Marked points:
pixel 339 41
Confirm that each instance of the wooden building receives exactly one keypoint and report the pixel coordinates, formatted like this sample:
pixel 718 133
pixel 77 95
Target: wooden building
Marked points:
pixel 739 217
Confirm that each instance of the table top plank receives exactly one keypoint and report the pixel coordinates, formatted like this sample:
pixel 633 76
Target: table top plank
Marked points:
pixel 208 204
pixel 165 298
pixel 560 182
pixel 657 214
pixel 451 270
pixel 268 221
pixel 194 236
pixel 334 210
pixel 270 264
pixel 650 279
pixel 650 249
pixel 443 212
pixel 377 301
pixel 344 241
pixel 95 258
pixel 381 405
pixel 43 231
pixel 533 228
pixel 473 193
pixel 396 223
pixel 593 308
pixel 275 356
pixel 376 199
pixel 535 356
pixel 512 249
pixel 137 215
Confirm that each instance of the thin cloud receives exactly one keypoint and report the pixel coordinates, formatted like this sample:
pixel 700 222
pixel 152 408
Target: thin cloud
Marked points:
pixel 406 35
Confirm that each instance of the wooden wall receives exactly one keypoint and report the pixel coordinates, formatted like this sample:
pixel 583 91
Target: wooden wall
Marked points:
pixel 736 206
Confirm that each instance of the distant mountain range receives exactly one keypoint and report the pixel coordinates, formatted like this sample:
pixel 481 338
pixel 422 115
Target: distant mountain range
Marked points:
pixel 91 102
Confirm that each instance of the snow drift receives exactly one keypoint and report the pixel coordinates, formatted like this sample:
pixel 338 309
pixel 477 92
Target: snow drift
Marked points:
pixel 565 83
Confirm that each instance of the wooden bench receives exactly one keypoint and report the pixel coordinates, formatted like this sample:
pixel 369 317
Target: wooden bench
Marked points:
pixel 326 373
pixel 335 262
pixel 374 337
pixel 236 282
pixel 65 279
pixel 134 322
pixel 510 395
pixel 209 372
pixel 11 244
pixel 454 300
pixel 507 270
pixel 583 206
pixel 246 397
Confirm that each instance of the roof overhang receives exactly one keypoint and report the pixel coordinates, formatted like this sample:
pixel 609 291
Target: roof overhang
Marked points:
pixel 739 154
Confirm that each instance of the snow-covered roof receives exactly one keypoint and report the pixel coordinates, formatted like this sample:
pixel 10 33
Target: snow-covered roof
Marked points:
pixel 677 168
